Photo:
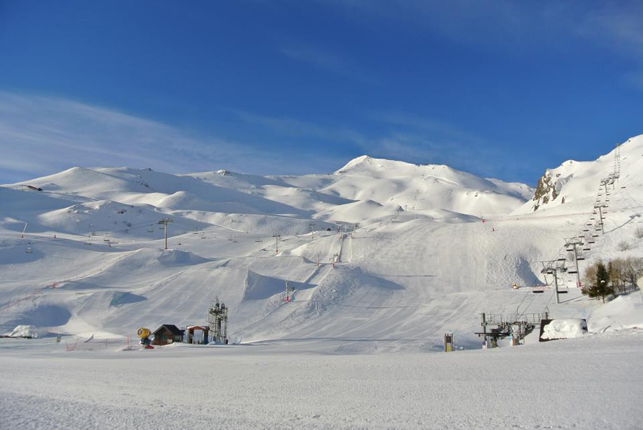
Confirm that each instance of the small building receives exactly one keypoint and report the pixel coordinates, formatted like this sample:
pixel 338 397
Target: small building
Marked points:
pixel 195 338
pixel 167 334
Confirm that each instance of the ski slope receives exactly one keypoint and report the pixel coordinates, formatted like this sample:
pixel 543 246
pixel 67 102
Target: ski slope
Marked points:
pixel 385 256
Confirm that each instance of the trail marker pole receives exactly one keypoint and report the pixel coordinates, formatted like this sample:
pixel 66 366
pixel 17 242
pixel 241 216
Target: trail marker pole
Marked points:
pixel 22 236
pixel 312 231
pixel 277 237
pixel 288 291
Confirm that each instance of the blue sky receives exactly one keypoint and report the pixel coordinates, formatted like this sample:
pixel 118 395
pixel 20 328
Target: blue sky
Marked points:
pixel 500 89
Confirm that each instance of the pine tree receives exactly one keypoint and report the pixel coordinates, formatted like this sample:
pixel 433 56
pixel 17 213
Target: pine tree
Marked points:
pixel 601 287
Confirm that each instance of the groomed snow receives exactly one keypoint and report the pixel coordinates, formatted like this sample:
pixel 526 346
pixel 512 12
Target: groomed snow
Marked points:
pixel 593 382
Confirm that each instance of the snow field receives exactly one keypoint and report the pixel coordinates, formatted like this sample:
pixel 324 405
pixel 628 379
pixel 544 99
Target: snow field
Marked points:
pixel 288 385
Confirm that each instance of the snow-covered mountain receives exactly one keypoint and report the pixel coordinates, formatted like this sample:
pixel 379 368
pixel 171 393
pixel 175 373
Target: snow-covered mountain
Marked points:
pixel 579 181
pixel 431 248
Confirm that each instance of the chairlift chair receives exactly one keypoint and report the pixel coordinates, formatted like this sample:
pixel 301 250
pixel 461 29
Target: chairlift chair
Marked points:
pixel 562 259
pixel 587 249
pixel 581 258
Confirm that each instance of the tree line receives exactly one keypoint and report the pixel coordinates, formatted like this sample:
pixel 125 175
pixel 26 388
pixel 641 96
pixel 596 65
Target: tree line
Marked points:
pixel 618 276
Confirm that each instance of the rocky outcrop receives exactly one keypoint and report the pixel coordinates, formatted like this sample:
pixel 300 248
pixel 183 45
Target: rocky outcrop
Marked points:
pixel 546 190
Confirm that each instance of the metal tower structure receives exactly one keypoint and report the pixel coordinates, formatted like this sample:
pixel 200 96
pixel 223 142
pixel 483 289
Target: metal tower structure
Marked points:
pixel 218 322
pixel 164 222
pixel 553 268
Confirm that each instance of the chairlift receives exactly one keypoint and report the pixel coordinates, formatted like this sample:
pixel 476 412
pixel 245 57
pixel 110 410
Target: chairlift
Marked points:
pixel 570 249
pixel 579 259
pixel 562 259
pixel 585 229
pixel 573 272
pixel 594 235
pixel 587 249
pixel 592 218
pixel 538 291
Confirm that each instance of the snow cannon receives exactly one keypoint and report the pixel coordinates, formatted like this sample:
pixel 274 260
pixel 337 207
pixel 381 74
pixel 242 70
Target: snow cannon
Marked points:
pixel 145 334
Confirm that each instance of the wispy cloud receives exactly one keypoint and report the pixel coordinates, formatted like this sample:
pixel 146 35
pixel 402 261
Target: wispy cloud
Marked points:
pixel 287 126
pixel 516 26
pixel 326 60
pixel 408 138
pixel 44 135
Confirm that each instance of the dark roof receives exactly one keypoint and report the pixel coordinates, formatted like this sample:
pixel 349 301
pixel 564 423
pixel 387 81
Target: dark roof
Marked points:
pixel 171 328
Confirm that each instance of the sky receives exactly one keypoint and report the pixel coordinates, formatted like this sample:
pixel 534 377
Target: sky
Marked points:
pixel 499 89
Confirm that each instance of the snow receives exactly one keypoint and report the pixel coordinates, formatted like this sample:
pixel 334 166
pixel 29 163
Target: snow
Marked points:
pixel 565 329
pixel 385 257
pixel 26 331
pixel 621 313
pixel 590 383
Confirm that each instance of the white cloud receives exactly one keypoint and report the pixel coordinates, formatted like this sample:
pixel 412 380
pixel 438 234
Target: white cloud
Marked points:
pixel 325 60
pixel 410 138
pixel 44 135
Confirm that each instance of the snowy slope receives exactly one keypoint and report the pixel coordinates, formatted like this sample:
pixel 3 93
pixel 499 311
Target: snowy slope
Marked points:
pixel 433 248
